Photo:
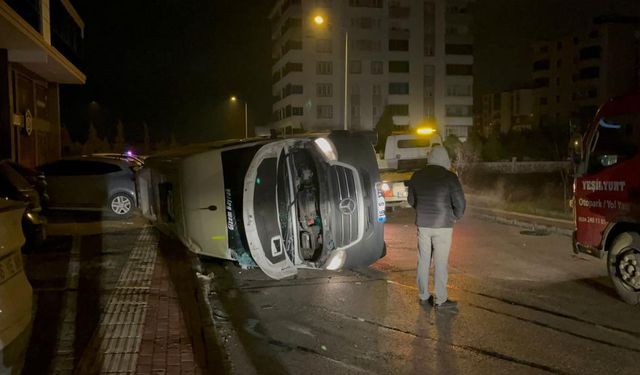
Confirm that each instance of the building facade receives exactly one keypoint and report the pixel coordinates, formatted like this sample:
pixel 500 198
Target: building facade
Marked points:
pixel 506 111
pixel 571 77
pixel 413 58
pixel 40 48
pixel 575 74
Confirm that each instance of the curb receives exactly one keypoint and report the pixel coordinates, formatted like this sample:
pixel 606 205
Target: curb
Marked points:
pixel 533 222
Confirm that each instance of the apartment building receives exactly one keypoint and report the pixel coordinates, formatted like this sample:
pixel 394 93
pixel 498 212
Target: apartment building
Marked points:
pixel 575 74
pixel 413 58
pixel 40 49
pixel 506 111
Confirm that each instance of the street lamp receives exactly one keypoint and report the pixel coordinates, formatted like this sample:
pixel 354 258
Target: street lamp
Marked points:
pixel 319 20
pixel 246 128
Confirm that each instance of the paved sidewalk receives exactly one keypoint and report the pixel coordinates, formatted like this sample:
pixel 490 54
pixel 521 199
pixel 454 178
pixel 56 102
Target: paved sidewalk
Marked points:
pixel 165 346
pixel 141 330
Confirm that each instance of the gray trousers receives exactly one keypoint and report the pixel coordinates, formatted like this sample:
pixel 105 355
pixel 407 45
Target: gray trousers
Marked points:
pixel 433 243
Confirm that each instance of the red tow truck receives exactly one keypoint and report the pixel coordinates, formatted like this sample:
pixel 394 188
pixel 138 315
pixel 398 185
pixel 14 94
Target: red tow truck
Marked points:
pixel 607 193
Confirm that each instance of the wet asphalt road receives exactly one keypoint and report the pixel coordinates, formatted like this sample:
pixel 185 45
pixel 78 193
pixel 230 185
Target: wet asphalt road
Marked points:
pixel 527 305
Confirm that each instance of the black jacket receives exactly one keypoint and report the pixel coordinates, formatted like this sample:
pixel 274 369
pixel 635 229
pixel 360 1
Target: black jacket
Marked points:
pixel 437 196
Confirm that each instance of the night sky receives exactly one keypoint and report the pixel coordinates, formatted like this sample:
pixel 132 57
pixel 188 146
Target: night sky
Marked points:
pixel 506 28
pixel 174 63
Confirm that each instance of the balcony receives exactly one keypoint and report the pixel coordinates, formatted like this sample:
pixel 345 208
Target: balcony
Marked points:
pixel 396 32
pixel 290 68
pixel 399 12
pixel 52 48
pixel 590 53
pixel 29 10
pixel 66 34
pixel 291 45
pixel 541 65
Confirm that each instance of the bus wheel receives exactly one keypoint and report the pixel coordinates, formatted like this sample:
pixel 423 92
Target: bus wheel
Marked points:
pixel 624 266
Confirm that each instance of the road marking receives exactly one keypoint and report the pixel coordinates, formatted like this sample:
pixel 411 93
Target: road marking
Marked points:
pixel 116 340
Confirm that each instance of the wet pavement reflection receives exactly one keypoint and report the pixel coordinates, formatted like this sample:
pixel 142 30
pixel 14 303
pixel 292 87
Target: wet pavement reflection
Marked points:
pixel 71 276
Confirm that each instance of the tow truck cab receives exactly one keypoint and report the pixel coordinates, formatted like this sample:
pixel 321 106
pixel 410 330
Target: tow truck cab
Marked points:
pixel 607 193
pixel 403 155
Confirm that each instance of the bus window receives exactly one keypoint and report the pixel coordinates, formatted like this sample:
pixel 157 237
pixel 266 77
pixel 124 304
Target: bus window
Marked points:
pixel 617 139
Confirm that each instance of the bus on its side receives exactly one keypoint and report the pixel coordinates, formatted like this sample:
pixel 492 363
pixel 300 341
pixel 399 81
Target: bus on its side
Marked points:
pixel 285 204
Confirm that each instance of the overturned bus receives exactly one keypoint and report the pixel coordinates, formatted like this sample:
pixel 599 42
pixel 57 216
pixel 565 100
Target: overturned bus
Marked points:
pixel 304 202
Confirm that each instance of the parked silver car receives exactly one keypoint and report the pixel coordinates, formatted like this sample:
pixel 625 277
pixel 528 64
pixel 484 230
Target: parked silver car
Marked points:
pixel 16 296
pixel 92 183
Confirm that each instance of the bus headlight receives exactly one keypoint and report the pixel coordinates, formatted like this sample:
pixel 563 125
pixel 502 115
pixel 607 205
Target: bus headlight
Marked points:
pixel 336 260
pixel 326 147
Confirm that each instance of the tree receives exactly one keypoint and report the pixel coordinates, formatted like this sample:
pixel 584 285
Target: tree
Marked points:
pixel 174 143
pixel 93 143
pixel 492 150
pixel 466 154
pixel 69 147
pixel 453 145
pixel 147 140
pixel 119 145
pixel 105 146
pixel 559 136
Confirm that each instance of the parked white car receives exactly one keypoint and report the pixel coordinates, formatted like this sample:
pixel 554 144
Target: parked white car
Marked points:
pixel 16 295
pixel 302 202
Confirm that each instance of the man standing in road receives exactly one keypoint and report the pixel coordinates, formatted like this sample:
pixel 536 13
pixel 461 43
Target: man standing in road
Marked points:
pixel 436 194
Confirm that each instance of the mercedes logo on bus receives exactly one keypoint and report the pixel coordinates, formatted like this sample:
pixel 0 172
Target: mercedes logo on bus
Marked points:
pixel 347 206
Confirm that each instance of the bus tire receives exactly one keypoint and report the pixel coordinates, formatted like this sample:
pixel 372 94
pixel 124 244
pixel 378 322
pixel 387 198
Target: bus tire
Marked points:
pixel 623 263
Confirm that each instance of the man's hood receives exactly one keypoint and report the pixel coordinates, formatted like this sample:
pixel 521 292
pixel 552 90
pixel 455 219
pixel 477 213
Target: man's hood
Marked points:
pixel 439 156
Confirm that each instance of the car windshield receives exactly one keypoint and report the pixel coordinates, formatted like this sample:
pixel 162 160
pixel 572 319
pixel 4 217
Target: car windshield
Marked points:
pixel 617 139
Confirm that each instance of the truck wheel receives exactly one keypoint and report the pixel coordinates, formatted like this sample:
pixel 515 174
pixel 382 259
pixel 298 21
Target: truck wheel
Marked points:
pixel 624 266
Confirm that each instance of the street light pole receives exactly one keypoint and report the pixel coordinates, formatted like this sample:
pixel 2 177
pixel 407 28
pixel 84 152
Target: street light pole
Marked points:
pixel 246 116
pixel 346 77
pixel 320 21
pixel 246 120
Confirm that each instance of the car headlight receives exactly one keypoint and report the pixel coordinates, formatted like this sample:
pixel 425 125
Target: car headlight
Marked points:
pixel 326 147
